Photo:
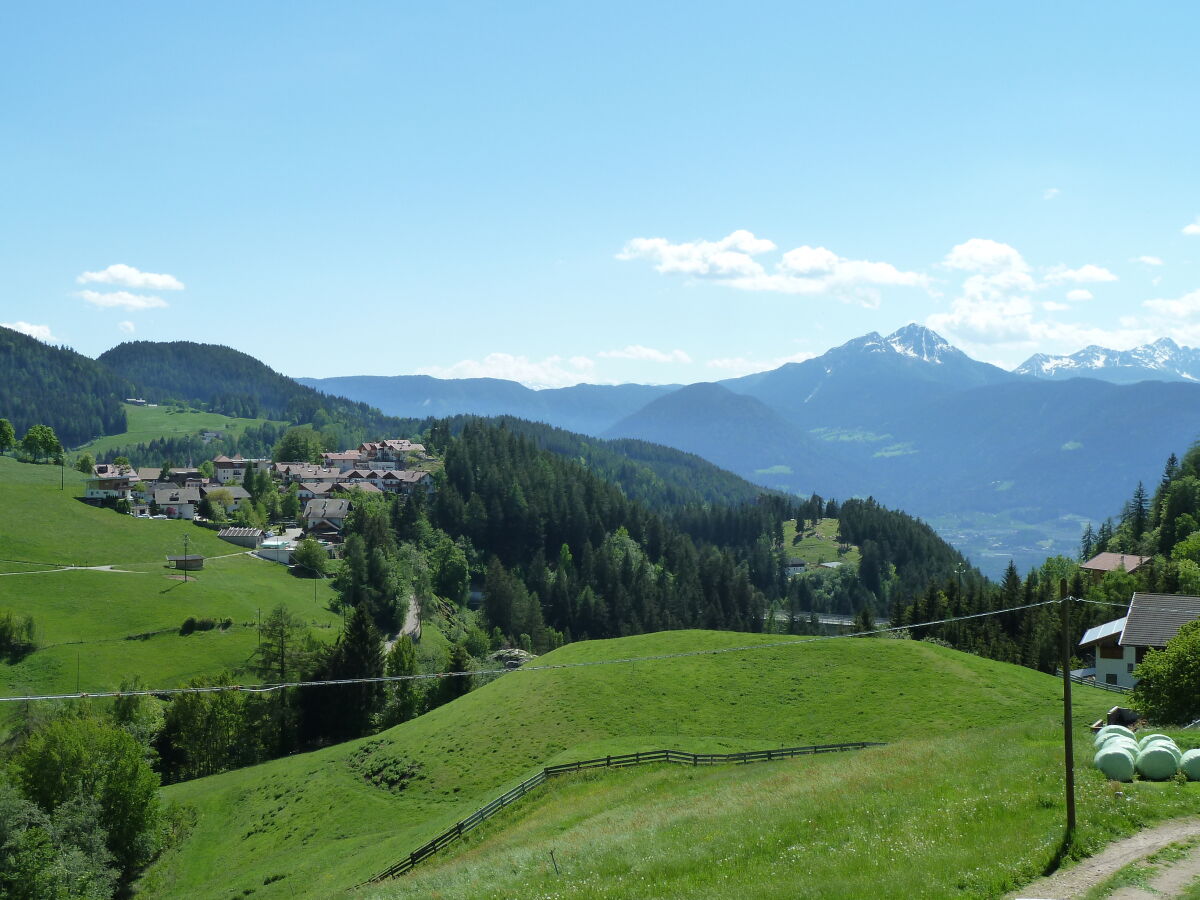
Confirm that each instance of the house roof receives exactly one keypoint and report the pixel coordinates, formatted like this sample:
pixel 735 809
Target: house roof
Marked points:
pixel 1155 618
pixel 1100 632
pixel 149 474
pixel 167 496
pixel 326 508
pixel 1110 562
pixel 240 532
pixel 365 486
pixel 315 487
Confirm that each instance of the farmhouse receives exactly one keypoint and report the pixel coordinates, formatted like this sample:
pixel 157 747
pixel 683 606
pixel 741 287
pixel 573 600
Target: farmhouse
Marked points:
pixel 326 516
pixel 1152 620
pixel 177 502
pixel 1103 563
pixel 233 470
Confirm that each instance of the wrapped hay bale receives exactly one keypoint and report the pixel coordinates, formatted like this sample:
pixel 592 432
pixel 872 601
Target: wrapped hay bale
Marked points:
pixel 1190 765
pixel 1157 763
pixel 1122 743
pixel 1116 763
pixel 1109 730
pixel 1145 740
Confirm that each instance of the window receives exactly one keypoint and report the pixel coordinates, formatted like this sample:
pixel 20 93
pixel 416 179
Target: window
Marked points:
pixel 1110 678
pixel 1129 668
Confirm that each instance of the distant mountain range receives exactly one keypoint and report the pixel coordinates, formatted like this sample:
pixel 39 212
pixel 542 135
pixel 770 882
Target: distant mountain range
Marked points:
pixel 1164 360
pixel 1005 464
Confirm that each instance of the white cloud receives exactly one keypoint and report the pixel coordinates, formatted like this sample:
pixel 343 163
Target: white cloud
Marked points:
pixel 553 371
pixel 1079 295
pixel 127 276
pixel 1148 260
pixel 1194 228
pixel 1050 193
pixel 122 300
pixel 127 327
pixel 41 332
pixel 1185 306
pixel 740 365
pixel 804 270
pixel 984 255
pixel 1087 274
pixel 649 354
pixel 728 257
pixel 994 315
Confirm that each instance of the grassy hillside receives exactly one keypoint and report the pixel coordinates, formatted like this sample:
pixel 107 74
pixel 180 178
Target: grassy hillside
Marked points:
pixel 146 423
pixel 972 816
pixel 83 617
pixel 313 825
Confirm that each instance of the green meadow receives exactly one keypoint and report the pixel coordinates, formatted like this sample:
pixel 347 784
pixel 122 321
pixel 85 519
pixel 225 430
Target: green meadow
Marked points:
pixel 817 544
pixel 967 735
pixel 146 423
pixel 96 628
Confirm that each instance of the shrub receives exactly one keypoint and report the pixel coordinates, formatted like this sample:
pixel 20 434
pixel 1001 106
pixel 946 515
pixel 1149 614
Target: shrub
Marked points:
pixel 17 635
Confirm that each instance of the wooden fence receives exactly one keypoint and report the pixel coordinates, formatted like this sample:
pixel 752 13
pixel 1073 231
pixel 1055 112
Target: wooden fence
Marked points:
pixel 458 829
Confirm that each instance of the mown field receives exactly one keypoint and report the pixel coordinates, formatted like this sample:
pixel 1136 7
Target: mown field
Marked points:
pixel 145 424
pixel 88 621
pixel 316 825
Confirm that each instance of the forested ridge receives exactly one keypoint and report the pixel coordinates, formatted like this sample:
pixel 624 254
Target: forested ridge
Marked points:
pixel 56 386
pixel 233 383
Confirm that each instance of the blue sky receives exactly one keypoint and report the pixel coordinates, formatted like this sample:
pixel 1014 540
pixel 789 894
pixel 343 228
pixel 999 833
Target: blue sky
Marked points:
pixel 607 192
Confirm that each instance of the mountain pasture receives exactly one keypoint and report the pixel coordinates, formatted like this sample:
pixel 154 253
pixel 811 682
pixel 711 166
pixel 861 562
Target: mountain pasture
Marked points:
pixel 316 824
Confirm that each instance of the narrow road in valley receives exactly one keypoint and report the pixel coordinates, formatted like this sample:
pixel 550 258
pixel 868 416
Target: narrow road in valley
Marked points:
pixel 1079 879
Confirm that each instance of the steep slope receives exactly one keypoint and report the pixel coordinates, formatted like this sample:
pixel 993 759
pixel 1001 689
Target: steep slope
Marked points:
pixel 313 825
pixel 1163 360
pixel 55 386
pixel 739 433
pixel 586 408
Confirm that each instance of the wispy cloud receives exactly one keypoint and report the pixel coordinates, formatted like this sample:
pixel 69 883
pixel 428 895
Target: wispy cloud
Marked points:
pixel 1193 229
pixel 122 275
pixel 1088 274
pixel 1050 193
pixel 122 300
pixel 1079 295
pixel 1148 260
pixel 804 270
pixel 41 332
pixel 127 327
pixel 553 371
pixel 740 365
pixel 647 354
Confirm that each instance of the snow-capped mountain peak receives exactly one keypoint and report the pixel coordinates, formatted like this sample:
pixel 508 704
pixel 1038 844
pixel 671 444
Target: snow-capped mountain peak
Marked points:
pixel 1163 360
pixel 921 343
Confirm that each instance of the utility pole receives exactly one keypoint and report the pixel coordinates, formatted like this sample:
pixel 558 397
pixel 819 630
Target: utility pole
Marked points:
pixel 1068 740
pixel 185 558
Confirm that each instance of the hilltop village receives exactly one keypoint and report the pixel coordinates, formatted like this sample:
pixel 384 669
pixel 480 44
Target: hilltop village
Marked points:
pixel 316 496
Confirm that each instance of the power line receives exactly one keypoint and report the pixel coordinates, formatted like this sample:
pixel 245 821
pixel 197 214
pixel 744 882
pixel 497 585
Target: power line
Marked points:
pixel 388 679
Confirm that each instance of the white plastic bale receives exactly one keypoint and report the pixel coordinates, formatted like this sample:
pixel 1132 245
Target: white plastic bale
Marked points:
pixel 1147 739
pixel 1190 765
pixel 1157 763
pixel 1110 730
pixel 1116 763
